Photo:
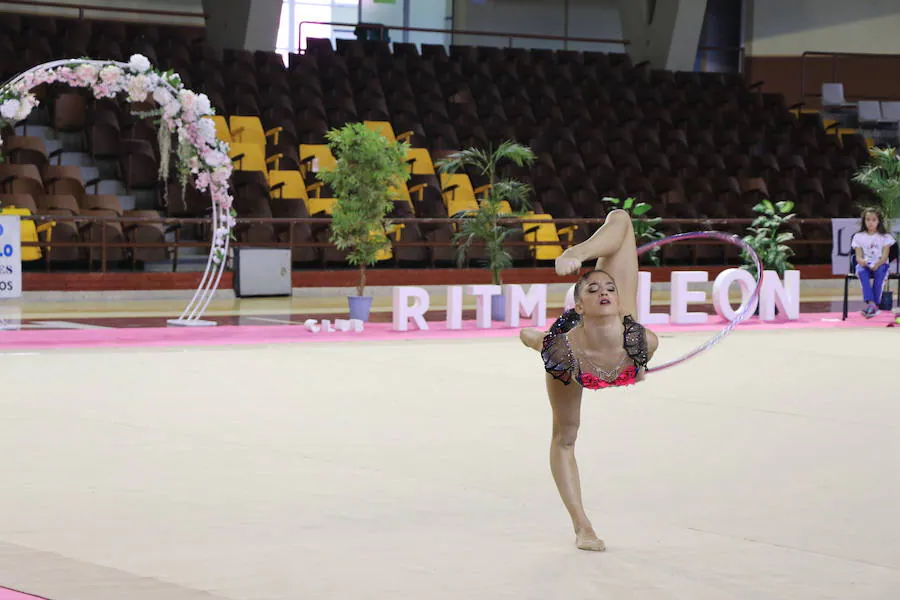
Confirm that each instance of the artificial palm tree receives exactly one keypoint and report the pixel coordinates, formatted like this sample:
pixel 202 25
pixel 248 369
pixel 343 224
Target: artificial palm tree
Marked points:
pixel 489 223
pixel 882 176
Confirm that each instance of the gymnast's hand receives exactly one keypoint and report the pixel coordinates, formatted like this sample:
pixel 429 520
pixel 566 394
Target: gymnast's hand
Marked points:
pixel 566 265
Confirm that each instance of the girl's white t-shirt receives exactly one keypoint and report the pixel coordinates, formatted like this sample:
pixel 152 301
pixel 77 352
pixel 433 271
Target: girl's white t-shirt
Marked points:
pixel 872 245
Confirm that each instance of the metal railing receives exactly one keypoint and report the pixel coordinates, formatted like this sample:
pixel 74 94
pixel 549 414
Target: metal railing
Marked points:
pixel 95 237
pixel 452 32
pixel 81 8
pixel 834 57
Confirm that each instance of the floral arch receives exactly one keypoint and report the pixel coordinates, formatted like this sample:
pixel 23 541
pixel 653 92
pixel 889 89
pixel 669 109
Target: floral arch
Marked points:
pixel 199 154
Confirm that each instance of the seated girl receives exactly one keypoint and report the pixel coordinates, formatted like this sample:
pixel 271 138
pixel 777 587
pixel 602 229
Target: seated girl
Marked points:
pixel 872 244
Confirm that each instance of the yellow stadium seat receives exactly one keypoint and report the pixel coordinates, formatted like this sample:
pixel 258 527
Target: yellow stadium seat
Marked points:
pixel 316 157
pixel 28 232
pixel 404 192
pixel 249 130
pixel 252 157
pixel 458 193
pixel 315 204
pixel 801 112
pixel 382 127
pixel 387 253
pixel 288 184
pixel 828 124
pixel 844 132
pixel 384 254
pixel 543 232
pixel 401 192
pixel 421 161
pixel 222 130
pixel 387 130
pixel 418 190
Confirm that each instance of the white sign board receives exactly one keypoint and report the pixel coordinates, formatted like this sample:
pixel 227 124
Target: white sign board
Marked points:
pixel 411 303
pixel 842 231
pixel 10 257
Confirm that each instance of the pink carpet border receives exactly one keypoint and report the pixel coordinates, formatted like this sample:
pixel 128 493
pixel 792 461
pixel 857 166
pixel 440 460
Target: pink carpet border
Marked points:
pixel 273 334
pixel 8 594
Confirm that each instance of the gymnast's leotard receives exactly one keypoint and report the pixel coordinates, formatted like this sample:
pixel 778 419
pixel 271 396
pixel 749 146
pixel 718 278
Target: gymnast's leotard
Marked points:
pixel 561 363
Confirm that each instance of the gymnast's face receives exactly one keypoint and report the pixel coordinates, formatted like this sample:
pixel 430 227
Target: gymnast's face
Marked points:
pixel 598 296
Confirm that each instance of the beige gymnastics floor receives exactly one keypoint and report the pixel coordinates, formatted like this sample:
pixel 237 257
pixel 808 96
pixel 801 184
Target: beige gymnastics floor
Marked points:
pixel 768 468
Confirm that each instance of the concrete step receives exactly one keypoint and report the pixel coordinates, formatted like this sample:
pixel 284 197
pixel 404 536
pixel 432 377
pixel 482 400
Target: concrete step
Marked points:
pixel 89 173
pixel 112 187
pixel 52 146
pixel 77 159
pixel 146 199
pixel 44 132
pixel 72 141
pixel 109 167
pixel 128 202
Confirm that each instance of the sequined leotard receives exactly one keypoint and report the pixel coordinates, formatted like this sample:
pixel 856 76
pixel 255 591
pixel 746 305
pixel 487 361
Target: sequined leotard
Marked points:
pixel 561 363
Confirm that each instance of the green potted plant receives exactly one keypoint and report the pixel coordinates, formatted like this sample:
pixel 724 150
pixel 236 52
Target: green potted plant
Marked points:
pixel 644 226
pixel 767 238
pixel 367 166
pixel 882 175
pixel 490 223
pixel 769 241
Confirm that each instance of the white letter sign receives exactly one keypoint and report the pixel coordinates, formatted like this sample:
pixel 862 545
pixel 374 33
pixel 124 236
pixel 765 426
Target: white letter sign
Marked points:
pixel 483 306
pixel 533 304
pixel 403 312
pixel 786 296
pixel 720 291
pixel 454 306
pixel 681 297
pixel 644 316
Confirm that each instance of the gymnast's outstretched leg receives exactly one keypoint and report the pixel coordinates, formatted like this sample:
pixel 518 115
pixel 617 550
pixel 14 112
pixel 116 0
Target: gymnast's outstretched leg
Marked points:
pixel 565 400
pixel 614 247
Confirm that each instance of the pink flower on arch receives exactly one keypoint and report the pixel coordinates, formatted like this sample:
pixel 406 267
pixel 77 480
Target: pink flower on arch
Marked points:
pixel 200 150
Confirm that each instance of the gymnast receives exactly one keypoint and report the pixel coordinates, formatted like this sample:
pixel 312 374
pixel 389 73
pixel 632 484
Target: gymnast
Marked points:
pixel 597 344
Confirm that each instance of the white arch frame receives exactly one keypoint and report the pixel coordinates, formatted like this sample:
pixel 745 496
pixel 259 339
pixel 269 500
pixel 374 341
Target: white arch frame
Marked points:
pixel 186 124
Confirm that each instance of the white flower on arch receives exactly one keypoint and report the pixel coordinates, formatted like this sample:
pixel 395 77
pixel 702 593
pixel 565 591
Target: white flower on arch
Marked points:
pixel 182 112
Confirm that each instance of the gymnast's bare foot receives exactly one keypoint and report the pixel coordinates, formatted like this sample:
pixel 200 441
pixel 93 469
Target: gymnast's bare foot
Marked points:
pixel 567 264
pixel 533 338
pixel 586 539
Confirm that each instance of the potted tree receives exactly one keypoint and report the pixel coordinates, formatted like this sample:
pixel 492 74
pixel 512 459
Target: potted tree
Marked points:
pixel 490 224
pixel 767 238
pixel 367 166
pixel 644 226
pixel 882 176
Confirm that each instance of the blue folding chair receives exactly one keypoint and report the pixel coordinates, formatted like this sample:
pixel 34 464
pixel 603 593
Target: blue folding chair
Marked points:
pixel 893 257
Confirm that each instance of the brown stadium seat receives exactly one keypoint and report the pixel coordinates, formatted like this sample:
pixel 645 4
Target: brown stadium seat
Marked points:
pixel 693 145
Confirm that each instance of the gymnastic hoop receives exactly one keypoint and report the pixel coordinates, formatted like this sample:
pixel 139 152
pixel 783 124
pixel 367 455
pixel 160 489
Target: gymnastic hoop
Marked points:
pixel 742 312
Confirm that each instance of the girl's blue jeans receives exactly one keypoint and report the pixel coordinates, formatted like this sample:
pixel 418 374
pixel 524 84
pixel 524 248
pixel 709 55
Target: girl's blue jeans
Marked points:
pixel 872 290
